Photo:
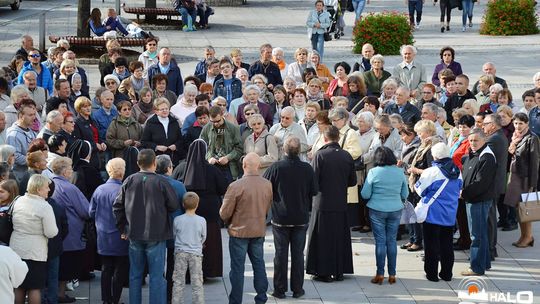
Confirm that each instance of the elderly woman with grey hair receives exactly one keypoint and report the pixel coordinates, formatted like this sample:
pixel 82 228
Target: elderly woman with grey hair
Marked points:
pixel 386 136
pixel 33 224
pixel 18 93
pixel 261 82
pixel 296 69
pixel 185 104
pixel 252 96
pixel 278 56
pixel 350 142
pixel 388 93
pixel 287 127
pixel 375 77
pixel 261 142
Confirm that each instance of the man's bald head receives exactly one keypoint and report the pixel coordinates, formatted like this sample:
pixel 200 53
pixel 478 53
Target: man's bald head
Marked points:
pixel 251 163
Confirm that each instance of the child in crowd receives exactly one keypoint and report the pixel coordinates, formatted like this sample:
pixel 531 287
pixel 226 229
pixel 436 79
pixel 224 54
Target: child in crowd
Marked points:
pixel 190 234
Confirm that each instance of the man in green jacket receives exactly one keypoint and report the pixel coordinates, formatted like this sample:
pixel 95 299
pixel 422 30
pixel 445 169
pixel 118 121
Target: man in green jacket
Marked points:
pixel 224 144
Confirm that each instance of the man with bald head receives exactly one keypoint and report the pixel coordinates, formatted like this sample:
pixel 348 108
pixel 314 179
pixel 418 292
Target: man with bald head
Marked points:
pixel 244 210
pixel 489 69
pixel 365 65
pixel 168 66
pixel 410 73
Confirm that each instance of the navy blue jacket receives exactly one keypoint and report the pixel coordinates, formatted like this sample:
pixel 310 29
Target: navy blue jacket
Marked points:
pixel 221 90
pixel 272 72
pixel 175 82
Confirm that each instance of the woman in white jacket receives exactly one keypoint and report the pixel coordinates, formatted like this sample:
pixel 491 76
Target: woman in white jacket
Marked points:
pixel 33 224
pixel 317 22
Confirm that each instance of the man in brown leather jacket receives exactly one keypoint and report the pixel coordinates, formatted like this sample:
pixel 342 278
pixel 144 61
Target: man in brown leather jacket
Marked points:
pixel 244 210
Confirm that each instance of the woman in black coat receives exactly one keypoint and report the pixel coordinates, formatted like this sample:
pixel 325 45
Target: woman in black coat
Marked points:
pixel 86 129
pixel 163 141
pixel 210 184
pixel 85 176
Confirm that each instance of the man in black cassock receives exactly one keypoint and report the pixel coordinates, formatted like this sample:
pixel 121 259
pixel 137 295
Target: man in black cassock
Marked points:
pixel 329 253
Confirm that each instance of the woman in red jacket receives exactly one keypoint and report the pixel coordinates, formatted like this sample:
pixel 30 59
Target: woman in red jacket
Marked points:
pixel 458 149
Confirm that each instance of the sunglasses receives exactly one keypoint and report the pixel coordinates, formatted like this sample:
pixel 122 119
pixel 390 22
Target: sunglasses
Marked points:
pixel 110 82
pixel 151 44
pixel 35 55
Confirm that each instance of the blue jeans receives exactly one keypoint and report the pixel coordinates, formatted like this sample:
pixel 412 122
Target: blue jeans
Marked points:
pixel 50 295
pixel 416 235
pixel 468 6
pixel 477 215
pixel 153 253
pixel 358 7
pixel 317 43
pixel 188 12
pixel 238 248
pixel 385 226
pixel 415 6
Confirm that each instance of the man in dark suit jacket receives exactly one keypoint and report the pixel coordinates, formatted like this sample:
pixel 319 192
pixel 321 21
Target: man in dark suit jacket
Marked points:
pixel 498 143
pixel 409 113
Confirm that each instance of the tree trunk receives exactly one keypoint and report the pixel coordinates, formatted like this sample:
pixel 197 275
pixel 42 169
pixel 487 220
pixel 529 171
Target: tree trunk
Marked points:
pixel 150 4
pixel 83 13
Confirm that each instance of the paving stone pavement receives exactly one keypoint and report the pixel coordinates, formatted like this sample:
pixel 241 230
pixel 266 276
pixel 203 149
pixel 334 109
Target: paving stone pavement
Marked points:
pixel 281 23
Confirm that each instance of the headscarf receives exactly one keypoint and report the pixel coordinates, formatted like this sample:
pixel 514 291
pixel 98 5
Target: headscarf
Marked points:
pixel 78 151
pixel 195 174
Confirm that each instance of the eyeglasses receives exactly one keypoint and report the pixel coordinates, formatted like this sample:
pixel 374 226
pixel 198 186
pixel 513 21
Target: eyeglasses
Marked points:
pixel 163 110
pixel 286 117
pixel 35 55
pixel 126 109
pixel 256 124
pixel 110 82
pixel 305 54
pixel 248 114
pixel 485 123
pixel 428 92
pixel 151 44
pixel 70 121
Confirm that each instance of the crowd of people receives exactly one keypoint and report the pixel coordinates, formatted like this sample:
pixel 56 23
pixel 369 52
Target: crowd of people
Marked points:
pixel 139 176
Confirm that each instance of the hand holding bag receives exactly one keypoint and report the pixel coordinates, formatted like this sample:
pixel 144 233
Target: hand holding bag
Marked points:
pixel 422 209
pixel 529 208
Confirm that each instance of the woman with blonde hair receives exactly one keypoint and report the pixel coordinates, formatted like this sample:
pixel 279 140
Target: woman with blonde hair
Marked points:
pixel 33 224
pixel 296 69
pixel 484 83
pixel 471 106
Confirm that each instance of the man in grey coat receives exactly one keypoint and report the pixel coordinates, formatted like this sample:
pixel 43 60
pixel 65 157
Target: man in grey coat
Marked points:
pixel 498 143
pixel 410 73
pixel 20 134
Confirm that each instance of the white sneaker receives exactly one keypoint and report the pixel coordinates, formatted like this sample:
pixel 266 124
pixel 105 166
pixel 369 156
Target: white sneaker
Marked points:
pixel 417 26
pixel 464 29
pixel 75 283
pixel 69 286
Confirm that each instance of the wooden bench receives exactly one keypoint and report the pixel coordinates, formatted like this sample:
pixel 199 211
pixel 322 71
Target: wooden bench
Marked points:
pixel 158 11
pixel 98 41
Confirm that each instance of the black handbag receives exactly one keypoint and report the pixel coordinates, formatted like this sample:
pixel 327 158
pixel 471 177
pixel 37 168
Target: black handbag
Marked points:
pixel 6 223
pixel 327 36
pixel 350 6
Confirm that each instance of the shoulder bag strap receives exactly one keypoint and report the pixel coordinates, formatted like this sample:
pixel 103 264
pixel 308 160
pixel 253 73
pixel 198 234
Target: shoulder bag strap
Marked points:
pixel 344 138
pixel 12 205
pixel 436 195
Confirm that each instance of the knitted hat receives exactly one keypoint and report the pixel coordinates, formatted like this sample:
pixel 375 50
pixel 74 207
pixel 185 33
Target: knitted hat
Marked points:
pixel 111 77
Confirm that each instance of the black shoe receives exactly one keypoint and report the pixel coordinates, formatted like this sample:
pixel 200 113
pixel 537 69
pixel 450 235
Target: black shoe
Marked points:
pixel 510 227
pixel 338 278
pixel 447 28
pixel 66 299
pixel 365 229
pixel 299 294
pixel 326 279
pixel 357 228
pixel 432 279
pixel 279 295
pixel 442 31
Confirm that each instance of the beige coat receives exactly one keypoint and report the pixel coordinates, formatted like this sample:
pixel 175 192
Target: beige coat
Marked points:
pixel 268 152
pixel 33 224
pixel 351 145
pixel 245 206
pixel 127 88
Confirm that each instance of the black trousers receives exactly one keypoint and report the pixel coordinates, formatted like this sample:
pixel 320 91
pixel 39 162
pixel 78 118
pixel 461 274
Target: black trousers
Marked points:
pixel 463 225
pixel 295 238
pixel 446 9
pixel 492 229
pixel 438 248
pixel 507 214
pixel 115 272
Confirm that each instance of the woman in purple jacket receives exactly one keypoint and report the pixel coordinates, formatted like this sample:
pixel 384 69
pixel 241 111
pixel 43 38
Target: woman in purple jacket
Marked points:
pixel 73 200
pixel 110 245
pixel 447 62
